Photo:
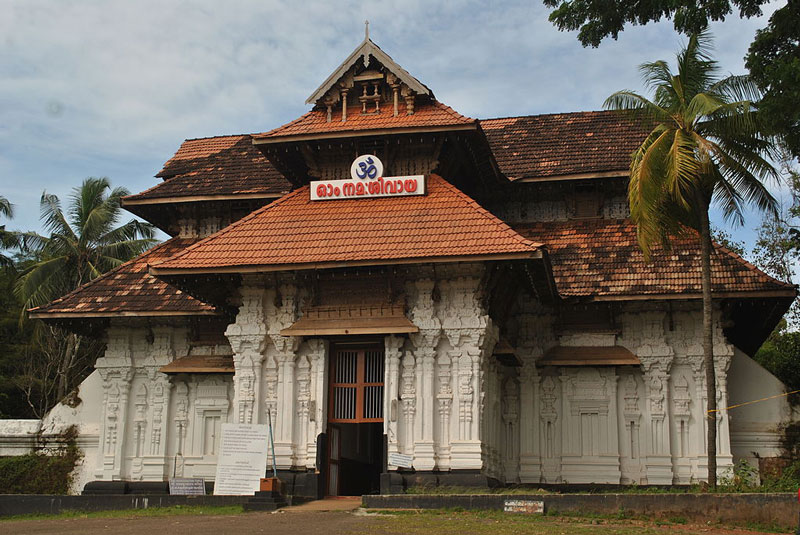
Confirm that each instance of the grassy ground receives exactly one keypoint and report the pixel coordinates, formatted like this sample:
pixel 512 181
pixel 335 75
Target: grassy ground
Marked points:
pixel 214 520
pixel 498 523
pixel 175 510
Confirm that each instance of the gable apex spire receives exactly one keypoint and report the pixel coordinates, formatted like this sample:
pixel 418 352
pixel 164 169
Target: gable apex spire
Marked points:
pixel 364 50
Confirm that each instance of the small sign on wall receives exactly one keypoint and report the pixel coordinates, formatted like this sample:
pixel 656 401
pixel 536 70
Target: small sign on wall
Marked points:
pixel 400 460
pixel 187 486
pixel 523 506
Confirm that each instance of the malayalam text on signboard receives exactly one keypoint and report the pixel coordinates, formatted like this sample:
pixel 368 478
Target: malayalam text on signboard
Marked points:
pixel 367 181
pixel 242 459
pixel 523 506
pixel 187 486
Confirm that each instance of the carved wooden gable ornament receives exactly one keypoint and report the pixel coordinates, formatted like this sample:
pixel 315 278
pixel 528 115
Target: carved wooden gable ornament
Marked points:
pixel 369 76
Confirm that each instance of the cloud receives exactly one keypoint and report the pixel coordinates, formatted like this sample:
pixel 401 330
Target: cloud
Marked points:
pixel 112 88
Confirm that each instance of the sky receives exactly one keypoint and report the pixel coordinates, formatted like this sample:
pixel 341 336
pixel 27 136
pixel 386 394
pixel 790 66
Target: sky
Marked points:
pixel 112 88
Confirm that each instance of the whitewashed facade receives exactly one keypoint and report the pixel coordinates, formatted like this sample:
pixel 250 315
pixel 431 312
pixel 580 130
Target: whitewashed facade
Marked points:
pixel 448 399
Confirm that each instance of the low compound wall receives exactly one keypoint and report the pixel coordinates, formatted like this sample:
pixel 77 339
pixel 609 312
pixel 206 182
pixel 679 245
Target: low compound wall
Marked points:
pixel 777 508
pixel 26 504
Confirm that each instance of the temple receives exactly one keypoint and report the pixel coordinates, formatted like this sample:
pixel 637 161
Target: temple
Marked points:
pixel 416 297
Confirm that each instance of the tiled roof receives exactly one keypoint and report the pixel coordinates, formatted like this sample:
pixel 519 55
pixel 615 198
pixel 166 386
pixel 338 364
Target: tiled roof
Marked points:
pixel 295 231
pixel 127 290
pixel 539 146
pixel 227 165
pixel 426 114
pixel 602 258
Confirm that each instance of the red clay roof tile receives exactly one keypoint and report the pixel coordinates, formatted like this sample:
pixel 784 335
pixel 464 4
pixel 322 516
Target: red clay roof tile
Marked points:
pixel 427 114
pixel 557 144
pixel 227 165
pixel 297 231
pixel 602 258
pixel 128 289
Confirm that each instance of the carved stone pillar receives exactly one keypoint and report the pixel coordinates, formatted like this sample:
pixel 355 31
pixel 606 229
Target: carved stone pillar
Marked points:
pixel 530 469
pixel 248 338
pixel 318 355
pixel 552 399
pixel 425 342
pixel 286 348
pixel 631 440
pixel 659 457
pixel 681 412
pixel 444 399
pixel 473 345
pixel 181 421
pixel 509 442
pixel 408 399
pixel 281 307
pixel 303 408
pixel 393 349
pixel 156 465
pixel 140 427
pixel 426 406
pixel 700 470
pixel 116 369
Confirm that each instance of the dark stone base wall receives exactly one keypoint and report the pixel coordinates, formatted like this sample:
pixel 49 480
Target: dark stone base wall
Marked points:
pixel 399 481
pixel 104 488
pixel 302 485
pixel 27 504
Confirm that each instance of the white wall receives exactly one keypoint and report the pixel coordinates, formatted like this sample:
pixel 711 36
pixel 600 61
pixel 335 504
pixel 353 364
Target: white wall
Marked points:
pixel 756 428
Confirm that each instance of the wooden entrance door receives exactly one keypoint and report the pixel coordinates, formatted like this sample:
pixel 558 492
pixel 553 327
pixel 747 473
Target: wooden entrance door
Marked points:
pixel 355 407
pixel 334 458
pixel 356 386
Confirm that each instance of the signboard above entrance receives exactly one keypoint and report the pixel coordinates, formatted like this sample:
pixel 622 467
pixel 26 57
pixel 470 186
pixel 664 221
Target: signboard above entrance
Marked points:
pixel 367 180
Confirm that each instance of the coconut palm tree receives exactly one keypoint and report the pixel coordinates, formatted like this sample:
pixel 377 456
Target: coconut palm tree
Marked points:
pixel 707 145
pixel 83 243
pixel 7 239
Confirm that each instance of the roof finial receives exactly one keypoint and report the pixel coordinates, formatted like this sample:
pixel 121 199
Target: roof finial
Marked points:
pixel 366 30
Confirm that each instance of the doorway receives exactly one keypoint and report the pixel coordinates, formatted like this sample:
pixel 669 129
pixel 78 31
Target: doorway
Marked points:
pixel 355 420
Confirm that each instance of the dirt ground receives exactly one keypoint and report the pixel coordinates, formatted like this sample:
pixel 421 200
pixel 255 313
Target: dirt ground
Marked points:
pixel 328 523
pixel 318 518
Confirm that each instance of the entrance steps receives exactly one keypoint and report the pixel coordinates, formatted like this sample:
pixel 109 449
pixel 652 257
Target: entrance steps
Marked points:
pixel 265 500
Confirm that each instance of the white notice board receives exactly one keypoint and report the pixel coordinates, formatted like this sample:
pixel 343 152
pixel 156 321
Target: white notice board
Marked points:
pixel 242 460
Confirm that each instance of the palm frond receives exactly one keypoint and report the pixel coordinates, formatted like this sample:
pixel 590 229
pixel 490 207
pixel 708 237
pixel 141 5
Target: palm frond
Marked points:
pixel 737 88
pixel 641 107
pixel 52 216
pixel 6 208
pixel 42 282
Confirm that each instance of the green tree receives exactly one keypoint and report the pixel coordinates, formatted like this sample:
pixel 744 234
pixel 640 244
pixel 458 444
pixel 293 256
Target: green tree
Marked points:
pixel 597 19
pixel 83 242
pixel 706 145
pixel 773 59
pixel 724 238
pixel 774 64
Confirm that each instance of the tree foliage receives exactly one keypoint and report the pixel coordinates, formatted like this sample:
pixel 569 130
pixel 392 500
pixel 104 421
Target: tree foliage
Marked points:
pixel 706 145
pixel 84 241
pixel 7 238
pixel 597 19
pixel 773 59
pixel 774 64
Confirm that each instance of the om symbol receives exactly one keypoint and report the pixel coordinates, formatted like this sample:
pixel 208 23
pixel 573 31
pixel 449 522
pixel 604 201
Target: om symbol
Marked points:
pixel 366 166
pixel 367 169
